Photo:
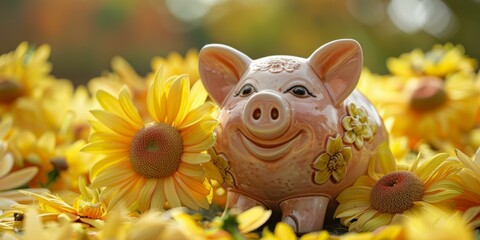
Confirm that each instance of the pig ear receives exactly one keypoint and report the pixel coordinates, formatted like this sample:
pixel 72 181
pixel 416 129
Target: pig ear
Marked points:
pixel 338 64
pixel 221 67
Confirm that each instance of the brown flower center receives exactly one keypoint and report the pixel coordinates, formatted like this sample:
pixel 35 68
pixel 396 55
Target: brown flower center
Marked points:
pixel 156 150
pixel 9 90
pixel 396 192
pixel 429 94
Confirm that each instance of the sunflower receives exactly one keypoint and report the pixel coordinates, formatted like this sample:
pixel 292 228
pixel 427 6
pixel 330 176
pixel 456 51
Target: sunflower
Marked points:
pixel 123 74
pixel 428 96
pixel 34 228
pixel 21 72
pixel 380 198
pixel 175 64
pixel 87 207
pixel 435 223
pixel 440 61
pixel 10 178
pixel 427 108
pixel 24 75
pixel 469 179
pixel 156 160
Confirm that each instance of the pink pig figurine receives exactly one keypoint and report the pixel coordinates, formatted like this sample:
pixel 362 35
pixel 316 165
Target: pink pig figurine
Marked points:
pixel 293 132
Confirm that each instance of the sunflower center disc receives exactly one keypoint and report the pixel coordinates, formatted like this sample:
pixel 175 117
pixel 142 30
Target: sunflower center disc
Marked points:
pixel 396 192
pixel 9 90
pixel 430 93
pixel 156 150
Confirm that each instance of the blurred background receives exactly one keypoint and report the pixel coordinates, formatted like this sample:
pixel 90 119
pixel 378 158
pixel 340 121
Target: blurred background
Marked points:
pixel 86 34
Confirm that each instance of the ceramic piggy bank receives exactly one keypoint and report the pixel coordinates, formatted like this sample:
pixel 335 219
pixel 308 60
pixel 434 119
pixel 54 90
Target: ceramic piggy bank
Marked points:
pixel 293 132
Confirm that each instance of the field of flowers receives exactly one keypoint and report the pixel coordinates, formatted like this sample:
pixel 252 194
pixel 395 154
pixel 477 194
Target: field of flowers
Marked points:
pixel 77 161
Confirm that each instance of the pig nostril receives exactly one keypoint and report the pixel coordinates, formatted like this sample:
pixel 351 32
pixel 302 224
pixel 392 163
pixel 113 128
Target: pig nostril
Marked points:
pixel 257 113
pixel 274 114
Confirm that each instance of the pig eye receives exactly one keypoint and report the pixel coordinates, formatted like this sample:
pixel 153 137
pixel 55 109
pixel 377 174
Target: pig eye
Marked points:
pixel 300 91
pixel 246 90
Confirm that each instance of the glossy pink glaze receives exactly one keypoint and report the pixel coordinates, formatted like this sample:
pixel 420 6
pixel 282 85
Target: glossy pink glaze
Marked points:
pixel 271 133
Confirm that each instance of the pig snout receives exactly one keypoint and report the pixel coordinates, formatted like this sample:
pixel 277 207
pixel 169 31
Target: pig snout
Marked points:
pixel 266 115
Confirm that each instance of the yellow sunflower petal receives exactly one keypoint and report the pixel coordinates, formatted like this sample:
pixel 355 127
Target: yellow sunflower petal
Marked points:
pixel 146 194
pixel 111 178
pixel 156 98
pixel 195 158
pixel 18 178
pixel 198 133
pixel 33 225
pixel 110 161
pixel 177 99
pixel 6 164
pixel 5 126
pixel 444 185
pixel 386 158
pixel 283 231
pixel 109 103
pixel 47 142
pixel 21 198
pixel 130 110
pixel 322 235
pixel 105 148
pixel 253 218
pixel 158 197
pixel 442 196
pixel 203 201
pixel 100 127
pixel 114 122
pixel 195 171
pixel 201 146
pixel 185 196
pixel 106 137
pixel 53 201
pixel 366 217
pixel 198 95
pixel 428 168
pixel 467 160
pixel 354 192
pixel 352 211
pixel 470 214
pixel 171 193
pixel 125 195
pixel 381 220
pixel 365 180
pixel 193 184
pixel 197 115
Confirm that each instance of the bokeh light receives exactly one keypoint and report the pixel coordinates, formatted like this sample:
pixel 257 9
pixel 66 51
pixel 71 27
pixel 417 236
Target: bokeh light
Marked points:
pixel 85 35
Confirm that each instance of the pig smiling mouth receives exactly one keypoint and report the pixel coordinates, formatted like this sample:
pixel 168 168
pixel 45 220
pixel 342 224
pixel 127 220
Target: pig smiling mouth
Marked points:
pixel 268 152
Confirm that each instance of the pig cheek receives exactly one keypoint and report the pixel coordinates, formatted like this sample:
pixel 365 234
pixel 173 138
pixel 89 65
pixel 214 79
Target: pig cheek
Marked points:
pixel 230 121
pixel 318 120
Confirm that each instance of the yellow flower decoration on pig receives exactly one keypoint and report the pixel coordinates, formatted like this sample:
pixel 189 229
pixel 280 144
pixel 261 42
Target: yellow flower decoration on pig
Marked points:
pixel 223 167
pixel 359 128
pixel 333 162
